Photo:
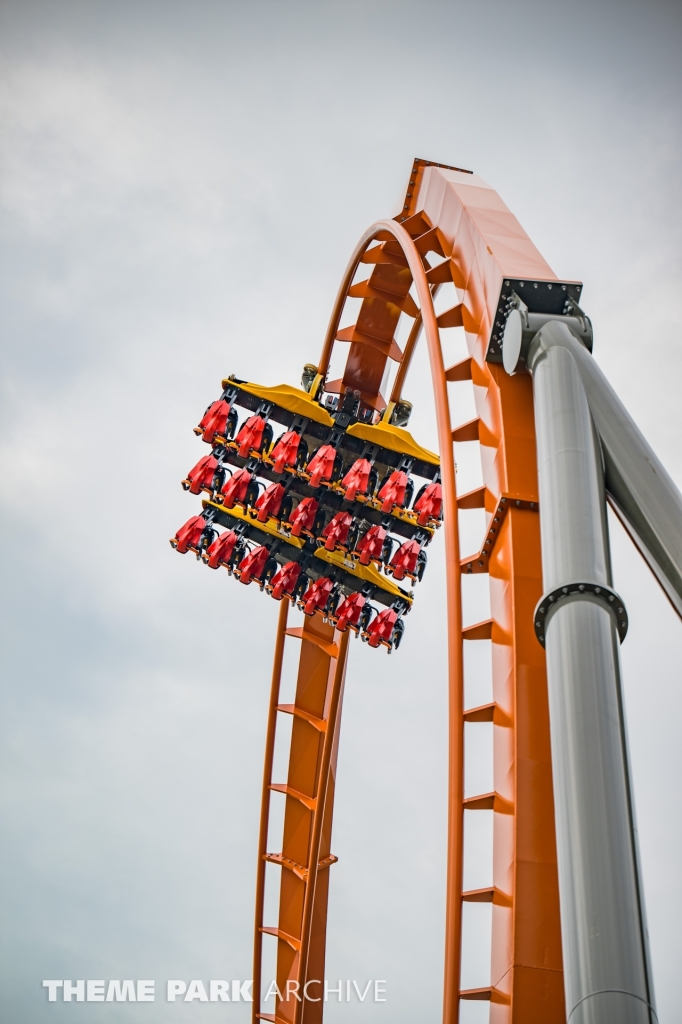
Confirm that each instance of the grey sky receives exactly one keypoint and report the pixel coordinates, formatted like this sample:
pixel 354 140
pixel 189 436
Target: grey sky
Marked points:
pixel 182 184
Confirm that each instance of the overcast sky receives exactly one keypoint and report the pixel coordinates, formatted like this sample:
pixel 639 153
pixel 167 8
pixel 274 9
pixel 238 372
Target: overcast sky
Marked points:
pixel 182 184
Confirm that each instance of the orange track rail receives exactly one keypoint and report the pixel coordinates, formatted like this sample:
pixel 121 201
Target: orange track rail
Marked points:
pixel 453 214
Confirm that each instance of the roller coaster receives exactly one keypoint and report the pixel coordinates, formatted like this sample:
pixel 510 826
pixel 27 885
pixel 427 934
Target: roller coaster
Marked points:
pixel 323 498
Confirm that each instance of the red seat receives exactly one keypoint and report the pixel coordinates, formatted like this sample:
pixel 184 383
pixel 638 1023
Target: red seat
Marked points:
pixel 215 421
pixel 201 476
pixel 284 581
pixel 253 566
pixel 371 546
pixel 250 435
pixel 393 491
pixel 356 479
pixel 404 561
pixel 321 465
pixel 303 516
pixel 380 630
pixel 429 504
pixel 270 502
pixel 235 488
pixel 188 536
pixel 317 595
pixel 221 550
pixel 336 531
pixel 350 613
pixel 285 451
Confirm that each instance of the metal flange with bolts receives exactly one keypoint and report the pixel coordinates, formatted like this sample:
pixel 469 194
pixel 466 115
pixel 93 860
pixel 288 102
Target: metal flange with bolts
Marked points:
pixel 600 594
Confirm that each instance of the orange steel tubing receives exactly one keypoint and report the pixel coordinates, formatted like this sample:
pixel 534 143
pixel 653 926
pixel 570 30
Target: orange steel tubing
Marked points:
pixel 302 911
pixel 453 916
pixel 280 637
pixel 408 352
pixel 318 820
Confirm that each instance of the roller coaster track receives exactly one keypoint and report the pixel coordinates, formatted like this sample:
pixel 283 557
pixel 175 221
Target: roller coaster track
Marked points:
pixel 453 228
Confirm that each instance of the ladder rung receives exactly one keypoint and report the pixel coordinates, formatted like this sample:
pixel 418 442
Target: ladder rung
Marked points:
pixel 483 713
pixel 284 937
pixel 474 563
pixel 489 713
pixel 285 862
pixel 491 894
pixel 300 870
pixel 477 993
pixel 440 274
pixel 452 318
pixel 479 631
pixel 488 802
pixel 460 371
pixel 297 631
pixel 308 801
pixel 317 723
pixel 429 241
pixel 467 432
pixel 473 499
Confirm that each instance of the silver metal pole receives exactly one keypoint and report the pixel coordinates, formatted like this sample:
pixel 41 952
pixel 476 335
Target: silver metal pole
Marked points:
pixel 639 487
pixel 606 973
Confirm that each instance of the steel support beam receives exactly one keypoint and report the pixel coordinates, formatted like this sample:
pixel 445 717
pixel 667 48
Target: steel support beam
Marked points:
pixel 638 486
pixel 605 946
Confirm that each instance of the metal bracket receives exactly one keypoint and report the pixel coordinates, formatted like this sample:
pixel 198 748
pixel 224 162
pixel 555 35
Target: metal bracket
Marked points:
pixel 479 562
pixel 553 298
pixel 522 326
pixel 575 591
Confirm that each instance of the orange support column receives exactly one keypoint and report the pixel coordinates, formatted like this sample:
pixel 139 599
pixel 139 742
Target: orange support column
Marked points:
pixel 526 969
pixel 305 857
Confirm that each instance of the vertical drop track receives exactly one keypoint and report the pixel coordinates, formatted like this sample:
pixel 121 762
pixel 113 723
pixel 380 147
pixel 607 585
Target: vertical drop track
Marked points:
pixel 478 243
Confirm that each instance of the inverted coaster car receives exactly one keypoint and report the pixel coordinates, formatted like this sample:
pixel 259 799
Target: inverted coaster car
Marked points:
pixel 322 516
